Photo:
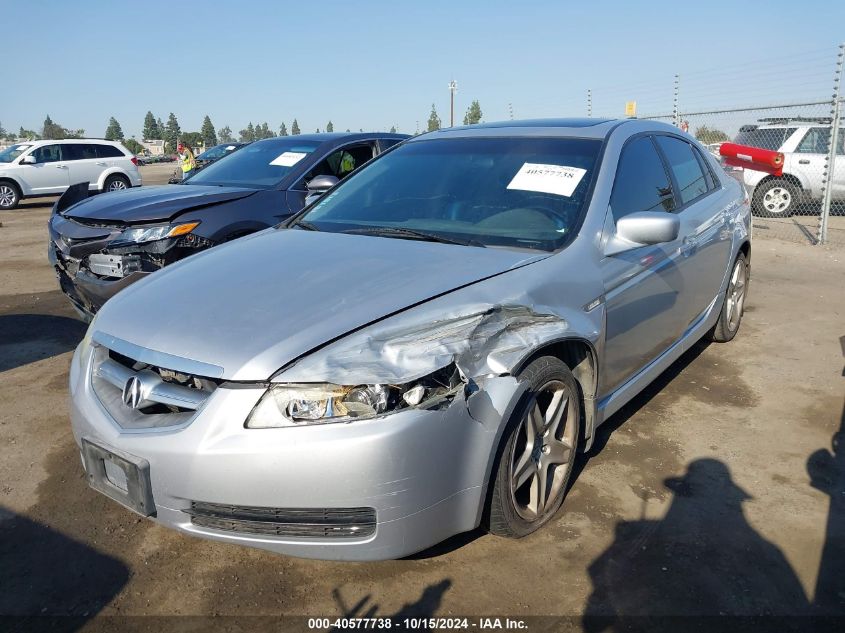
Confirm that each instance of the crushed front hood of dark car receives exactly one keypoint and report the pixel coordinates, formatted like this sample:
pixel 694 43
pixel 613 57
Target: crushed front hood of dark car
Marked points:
pixel 252 306
pixel 152 204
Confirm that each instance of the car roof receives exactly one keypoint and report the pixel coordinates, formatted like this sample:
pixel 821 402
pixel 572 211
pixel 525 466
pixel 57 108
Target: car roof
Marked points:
pixel 323 137
pixel 42 141
pixel 563 127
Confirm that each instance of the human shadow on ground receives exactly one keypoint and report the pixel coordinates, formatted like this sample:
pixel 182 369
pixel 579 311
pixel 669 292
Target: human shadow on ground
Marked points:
pixel 49 580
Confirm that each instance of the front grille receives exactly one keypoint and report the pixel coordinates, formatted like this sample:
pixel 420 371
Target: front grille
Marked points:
pixel 165 398
pixel 288 522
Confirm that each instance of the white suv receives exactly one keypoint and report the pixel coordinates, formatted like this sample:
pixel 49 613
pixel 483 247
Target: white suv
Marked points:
pixel 804 144
pixel 45 168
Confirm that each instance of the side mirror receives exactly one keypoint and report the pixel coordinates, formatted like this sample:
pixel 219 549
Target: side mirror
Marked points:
pixel 643 229
pixel 321 184
pixel 28 160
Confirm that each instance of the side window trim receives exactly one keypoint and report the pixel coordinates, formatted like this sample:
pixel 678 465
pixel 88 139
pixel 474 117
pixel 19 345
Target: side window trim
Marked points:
pixel 680 207
pixel 666 171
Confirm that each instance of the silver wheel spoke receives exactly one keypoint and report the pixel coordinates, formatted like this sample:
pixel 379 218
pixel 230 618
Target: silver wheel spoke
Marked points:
pixel 556 412
pixel 524 469
pixel 536 419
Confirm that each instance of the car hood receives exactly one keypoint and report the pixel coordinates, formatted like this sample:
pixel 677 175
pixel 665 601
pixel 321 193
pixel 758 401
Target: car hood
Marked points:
pixel 243 310
pixel 152 204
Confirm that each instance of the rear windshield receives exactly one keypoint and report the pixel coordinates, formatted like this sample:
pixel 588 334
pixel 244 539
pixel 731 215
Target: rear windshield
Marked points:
pixel 510 192
pixel 257 166
pixel 765 138
pixel 11 153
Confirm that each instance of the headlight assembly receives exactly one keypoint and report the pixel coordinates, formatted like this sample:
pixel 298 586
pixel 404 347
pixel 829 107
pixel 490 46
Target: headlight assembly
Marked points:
pixel 152 233
pixel 307 404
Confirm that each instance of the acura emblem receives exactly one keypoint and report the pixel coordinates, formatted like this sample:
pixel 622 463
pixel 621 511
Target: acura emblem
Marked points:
pixel 132 395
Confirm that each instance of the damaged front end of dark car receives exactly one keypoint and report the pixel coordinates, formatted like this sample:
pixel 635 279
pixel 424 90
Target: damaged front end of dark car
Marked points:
pixel 96 258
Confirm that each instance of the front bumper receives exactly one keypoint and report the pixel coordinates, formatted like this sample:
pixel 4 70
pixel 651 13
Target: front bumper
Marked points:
pixel 424 472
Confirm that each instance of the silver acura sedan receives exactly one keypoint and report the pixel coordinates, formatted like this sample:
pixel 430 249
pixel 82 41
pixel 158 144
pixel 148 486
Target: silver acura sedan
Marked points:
pixel 422 351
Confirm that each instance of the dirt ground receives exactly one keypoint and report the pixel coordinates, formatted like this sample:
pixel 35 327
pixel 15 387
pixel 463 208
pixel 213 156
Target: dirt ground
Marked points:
pixel 715 492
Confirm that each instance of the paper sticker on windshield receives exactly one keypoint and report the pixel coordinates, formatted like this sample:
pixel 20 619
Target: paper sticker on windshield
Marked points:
pixel 229 148
pixel 554 179
pixel 288 159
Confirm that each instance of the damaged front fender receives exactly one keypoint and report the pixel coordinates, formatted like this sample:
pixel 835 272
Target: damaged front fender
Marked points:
pixel 482 340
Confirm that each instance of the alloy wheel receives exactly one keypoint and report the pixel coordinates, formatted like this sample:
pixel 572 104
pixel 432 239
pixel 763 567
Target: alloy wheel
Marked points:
pixel 117 185
pixel 736 294
pixel 7 196
pixel 777 200
pixel 544 451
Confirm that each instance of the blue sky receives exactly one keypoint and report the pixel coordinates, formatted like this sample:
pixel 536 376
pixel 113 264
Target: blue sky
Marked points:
pixel 375 64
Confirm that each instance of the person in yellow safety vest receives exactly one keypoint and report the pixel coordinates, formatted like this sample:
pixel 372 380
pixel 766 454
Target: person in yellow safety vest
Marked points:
pixel 347 164
pixel 186 157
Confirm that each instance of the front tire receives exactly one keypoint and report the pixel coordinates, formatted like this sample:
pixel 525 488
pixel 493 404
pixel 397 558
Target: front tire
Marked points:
pixel 116 183
pixel 10 195
pixel 734 305
pixel 540 444
pixel 776 198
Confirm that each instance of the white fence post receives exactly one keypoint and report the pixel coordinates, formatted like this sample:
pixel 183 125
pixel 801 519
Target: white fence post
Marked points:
pixel 830 163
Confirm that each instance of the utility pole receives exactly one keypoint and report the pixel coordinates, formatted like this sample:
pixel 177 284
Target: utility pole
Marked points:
pixel 453 88
pixel 510 110
pixel 589 103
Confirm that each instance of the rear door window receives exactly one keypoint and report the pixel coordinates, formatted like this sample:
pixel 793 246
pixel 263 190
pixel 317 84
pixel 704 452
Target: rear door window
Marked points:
pixel 78 151
pixel 685 167
pixel 641 181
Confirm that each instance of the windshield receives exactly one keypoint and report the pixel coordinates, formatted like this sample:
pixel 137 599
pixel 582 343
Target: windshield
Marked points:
pixel 765 138
pixel 258 165
pixel 216 152
pixel 511 192
pixel 11 153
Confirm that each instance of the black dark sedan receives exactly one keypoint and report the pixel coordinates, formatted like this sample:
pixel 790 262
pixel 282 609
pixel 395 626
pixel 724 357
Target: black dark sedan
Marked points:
pixel 104 243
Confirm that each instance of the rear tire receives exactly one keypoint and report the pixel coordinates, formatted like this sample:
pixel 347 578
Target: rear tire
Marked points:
pixel 10 195
pixel 116 183
pixel 733 306
pixel 538 451
pixel 776 198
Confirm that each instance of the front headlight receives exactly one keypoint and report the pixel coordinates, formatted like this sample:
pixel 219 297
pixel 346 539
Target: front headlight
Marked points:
pixel 307 404
pixel 152 233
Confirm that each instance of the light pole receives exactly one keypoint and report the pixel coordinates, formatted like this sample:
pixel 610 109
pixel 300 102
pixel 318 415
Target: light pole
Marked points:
pixel 453 88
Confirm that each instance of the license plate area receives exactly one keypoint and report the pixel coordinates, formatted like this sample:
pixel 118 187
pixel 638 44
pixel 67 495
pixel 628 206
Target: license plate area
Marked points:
pixel 110 265
pixel 120 476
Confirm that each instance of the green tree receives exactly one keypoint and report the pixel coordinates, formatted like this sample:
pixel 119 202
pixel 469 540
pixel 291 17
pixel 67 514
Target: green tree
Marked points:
pixel 194 139
pixel 151 129
pixel 2 131
pixel 247 135
pixel 393 129
pixel 225 135
pixel 263 131
pixel 283 130
pixel 473 114
pixel 171 133
pixel 209 135
pixel 294 128
pixel 52 130
pixel 433 120
pixel 329 127
pixel 706 135
pixel 113 132
pixel 133 146
pixel 29 135
pixel 161 129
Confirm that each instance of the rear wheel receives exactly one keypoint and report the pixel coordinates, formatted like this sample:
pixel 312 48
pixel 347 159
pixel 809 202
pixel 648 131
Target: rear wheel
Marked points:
pixel 116 183
pixel 534 466
pixel 776 198
pixel 734 305
pixel 10 195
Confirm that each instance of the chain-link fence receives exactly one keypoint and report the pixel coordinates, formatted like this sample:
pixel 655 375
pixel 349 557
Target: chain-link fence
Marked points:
pixel 807 201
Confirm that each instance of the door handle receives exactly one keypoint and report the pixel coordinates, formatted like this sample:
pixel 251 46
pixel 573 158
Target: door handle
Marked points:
pixel 101 164
pixel 688 245
pixel 803 161
pixel 61 166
